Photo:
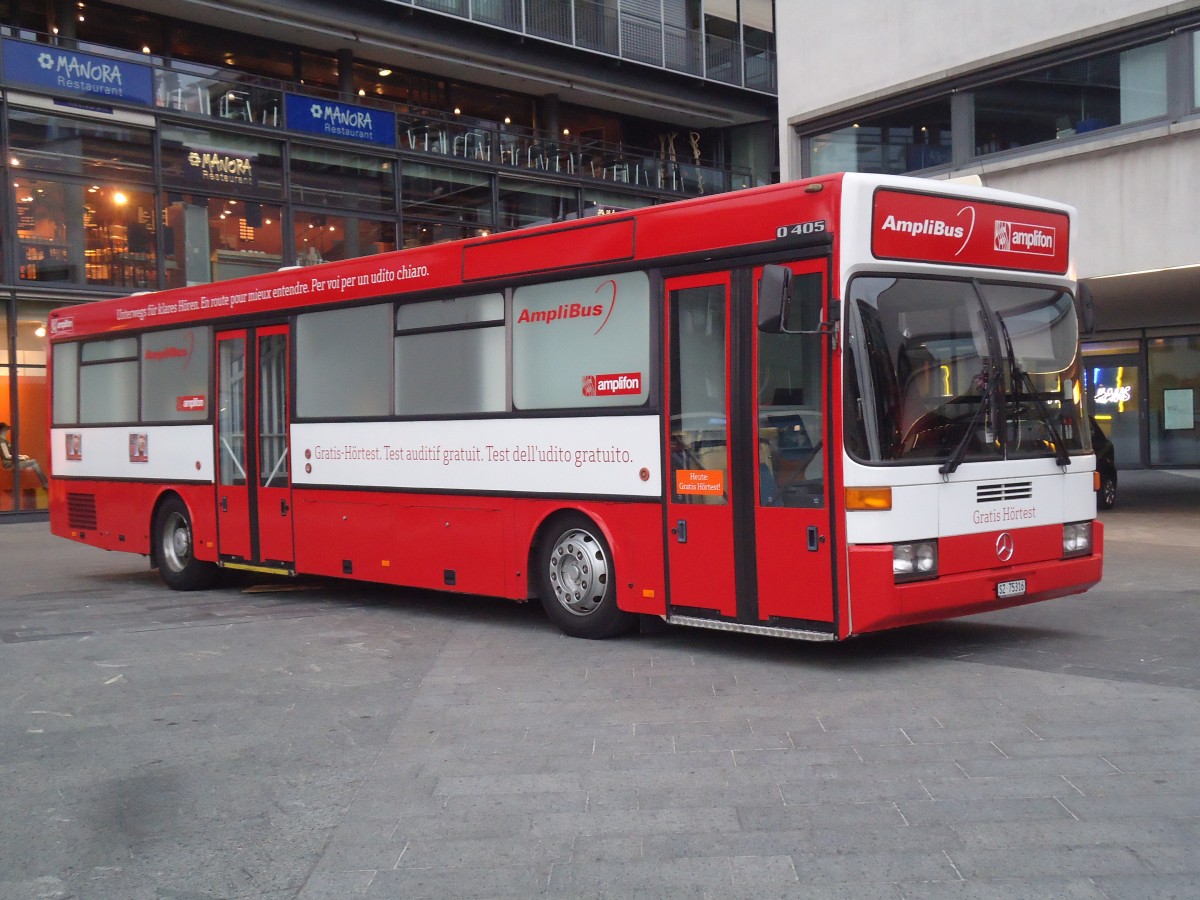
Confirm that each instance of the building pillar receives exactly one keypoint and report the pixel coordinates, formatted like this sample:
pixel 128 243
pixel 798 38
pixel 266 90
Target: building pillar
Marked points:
pixel 345 67
pixel 550 122
pixel 65 13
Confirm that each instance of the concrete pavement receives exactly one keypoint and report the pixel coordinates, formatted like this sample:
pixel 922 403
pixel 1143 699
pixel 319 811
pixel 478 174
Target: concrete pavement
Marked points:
pixel 338 740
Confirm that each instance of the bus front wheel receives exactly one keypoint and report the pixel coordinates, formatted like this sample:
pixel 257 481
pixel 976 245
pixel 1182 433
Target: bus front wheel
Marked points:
pixel 174 546
pixel 578 582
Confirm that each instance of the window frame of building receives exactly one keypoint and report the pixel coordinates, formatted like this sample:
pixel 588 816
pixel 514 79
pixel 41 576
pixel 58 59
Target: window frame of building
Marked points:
pixel 428 191
pixel 219 159
pixel 1173 391
pixel 63 238
pixel 1164 61
pixel 319 237
pixel 98 143
pixel 513 212
pixel 249 236
pixel 341 178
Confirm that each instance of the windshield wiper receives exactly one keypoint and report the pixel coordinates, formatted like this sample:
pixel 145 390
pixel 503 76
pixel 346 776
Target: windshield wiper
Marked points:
pixel 1021 377
pixel 983 379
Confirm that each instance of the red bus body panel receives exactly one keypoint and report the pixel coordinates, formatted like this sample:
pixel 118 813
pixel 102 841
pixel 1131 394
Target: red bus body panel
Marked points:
pixel 879 603
pixel 124 513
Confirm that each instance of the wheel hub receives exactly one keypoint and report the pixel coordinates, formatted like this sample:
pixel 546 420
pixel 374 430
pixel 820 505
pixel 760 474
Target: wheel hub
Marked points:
pixel 177 544
pixel 579 572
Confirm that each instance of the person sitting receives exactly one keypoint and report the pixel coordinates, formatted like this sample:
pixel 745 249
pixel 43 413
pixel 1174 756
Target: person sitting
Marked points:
pixel 22 461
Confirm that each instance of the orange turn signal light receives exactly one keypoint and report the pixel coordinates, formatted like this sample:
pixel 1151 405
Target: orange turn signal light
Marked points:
pixel 1096 480
pixel 873 498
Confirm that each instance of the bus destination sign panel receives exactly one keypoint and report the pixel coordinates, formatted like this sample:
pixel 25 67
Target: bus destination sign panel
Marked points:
pixel 924 228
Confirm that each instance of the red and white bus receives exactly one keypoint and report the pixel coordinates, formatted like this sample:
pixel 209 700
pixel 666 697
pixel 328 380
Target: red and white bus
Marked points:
pixel 809 410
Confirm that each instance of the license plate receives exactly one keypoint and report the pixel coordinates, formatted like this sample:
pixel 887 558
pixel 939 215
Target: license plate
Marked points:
pixel 1011 588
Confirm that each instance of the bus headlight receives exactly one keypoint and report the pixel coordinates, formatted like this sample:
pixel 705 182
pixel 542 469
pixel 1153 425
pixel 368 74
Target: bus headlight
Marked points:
pixel 914 560
pixel 1077 539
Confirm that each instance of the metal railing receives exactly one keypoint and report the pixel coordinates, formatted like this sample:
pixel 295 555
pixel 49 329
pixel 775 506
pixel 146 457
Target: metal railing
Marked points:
pixel 603 26
pixel 198 92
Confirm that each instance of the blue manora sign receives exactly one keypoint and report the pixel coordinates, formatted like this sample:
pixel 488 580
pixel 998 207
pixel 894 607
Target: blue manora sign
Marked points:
pixel 340 120
pixel 82 74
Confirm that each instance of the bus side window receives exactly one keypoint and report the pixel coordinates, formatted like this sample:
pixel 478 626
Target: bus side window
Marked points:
pixel 699 447
pixel 790 422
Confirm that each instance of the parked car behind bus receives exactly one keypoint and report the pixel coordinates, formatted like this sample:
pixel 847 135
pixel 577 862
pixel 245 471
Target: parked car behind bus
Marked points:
pixel 1106 465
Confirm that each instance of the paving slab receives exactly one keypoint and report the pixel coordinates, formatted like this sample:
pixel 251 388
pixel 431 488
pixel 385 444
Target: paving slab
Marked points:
pixel 327 739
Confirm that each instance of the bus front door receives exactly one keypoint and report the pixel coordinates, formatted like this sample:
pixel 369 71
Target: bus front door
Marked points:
pixel 794 541
pixel 254 496
pixel 748 518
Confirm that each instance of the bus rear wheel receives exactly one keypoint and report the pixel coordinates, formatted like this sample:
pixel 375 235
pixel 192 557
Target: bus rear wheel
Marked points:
pixel 174 550
pixel 578 582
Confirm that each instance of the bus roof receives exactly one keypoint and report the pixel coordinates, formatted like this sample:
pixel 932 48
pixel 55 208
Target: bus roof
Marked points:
pixel 753 220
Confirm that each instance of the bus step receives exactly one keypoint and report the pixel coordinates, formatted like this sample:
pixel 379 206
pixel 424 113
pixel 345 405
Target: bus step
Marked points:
pixel 796 634
pixel 266 570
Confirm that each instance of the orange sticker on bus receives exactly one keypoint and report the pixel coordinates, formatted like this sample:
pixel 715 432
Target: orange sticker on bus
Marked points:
pixel 700 482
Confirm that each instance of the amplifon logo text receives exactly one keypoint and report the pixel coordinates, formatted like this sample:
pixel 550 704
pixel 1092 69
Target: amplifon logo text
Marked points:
pixel 1018 237
pixel 190 403
pixel 64 325
pixel 568 311
pixel 612 385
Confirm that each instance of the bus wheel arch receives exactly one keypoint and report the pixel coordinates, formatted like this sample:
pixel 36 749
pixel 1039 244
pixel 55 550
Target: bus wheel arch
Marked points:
pixel 172 545
pixel 575 577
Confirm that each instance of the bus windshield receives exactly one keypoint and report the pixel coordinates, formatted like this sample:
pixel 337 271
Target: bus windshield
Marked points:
pixel 955 370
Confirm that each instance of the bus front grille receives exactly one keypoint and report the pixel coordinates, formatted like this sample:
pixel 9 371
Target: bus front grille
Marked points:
pixel 81 511
pixel 1004 491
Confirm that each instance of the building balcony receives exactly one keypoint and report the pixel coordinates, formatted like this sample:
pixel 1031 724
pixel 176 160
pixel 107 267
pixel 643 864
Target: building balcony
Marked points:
pixel 600 26
pixel 186 91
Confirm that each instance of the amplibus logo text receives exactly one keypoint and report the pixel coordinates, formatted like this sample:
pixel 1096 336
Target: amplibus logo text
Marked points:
pixel 564 311
pixel 958 227
pixel 934 227
pixel 612 385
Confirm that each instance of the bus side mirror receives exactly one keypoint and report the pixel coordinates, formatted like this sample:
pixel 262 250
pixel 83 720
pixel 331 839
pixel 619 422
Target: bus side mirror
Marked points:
pixel 774 298
pixel 789 303
pixel 1087 310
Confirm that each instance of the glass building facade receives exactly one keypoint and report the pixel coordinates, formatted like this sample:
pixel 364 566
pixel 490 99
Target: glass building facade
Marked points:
pixel 143 152
pixel 1144 382
pixel 1036 106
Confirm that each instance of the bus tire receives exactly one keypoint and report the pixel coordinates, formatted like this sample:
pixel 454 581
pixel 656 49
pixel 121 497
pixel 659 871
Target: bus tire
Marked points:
pixel 578 581
pixel 173 549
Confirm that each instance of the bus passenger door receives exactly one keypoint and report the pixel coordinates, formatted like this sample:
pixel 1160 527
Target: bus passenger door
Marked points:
pixel 254 496
pixel 749 535
pixel 794 539
pixel 233 483
pixel 699 493
pixel 274 503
